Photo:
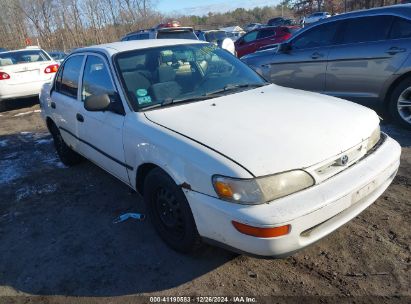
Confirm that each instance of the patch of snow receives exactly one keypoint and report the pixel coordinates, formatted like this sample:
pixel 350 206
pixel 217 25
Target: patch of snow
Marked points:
pixel 26 113
pixel 54 161
pixel 27 191
pixel 9 171
pixel 44 141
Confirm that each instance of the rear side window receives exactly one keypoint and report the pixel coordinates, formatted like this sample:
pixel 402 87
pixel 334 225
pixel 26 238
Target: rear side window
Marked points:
pixel 67 80
pixel 366 29
pixel 265 33
pixel 321 35
pixel 96 78
pixel 401 29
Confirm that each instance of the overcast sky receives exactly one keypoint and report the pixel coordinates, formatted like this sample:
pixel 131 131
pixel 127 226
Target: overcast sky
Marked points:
pixel 196 7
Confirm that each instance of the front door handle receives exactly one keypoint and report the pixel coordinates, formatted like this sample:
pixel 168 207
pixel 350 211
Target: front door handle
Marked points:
pixel 316 55
pixel 395 50
pixel 80 117
pixel 53 105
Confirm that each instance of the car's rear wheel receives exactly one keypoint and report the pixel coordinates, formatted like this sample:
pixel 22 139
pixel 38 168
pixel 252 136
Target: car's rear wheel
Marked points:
pixel 400 103
pixel 170 212
pixel 66 154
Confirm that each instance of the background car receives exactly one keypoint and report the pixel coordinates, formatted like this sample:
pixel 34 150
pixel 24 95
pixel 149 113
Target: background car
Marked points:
pixel 23 72
pixel 220 38
pixel 316 17
pixel 363 56
pixel 278 21
pixel 256 39
pixel 3 50
pixel 58 56
pixel 253 26
pixel 169 30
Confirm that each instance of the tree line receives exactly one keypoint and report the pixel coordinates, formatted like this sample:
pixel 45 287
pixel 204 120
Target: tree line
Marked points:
pixel 67 24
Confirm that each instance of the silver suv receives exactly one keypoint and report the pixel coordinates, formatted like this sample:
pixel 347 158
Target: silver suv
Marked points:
pixel 363 56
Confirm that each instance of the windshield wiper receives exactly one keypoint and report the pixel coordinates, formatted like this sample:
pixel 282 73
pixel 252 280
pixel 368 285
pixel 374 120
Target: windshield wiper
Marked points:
pixel 234 87
pixel 169 101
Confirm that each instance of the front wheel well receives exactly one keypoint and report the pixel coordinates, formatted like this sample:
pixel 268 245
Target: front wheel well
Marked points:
pixel 142 172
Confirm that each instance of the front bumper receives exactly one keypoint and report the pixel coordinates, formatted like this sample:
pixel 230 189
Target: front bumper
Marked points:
pixel 312 213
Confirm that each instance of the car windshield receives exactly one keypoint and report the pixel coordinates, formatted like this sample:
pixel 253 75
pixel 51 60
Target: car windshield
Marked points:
pixel 57 55
pixel 18 57
pixel 176 34
pixel 181 73
pixel 216 36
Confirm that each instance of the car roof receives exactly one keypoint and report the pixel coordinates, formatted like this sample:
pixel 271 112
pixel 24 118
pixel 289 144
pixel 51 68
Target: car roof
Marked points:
pixel 123 46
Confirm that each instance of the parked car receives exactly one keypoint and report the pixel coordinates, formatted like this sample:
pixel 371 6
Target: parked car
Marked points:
pixel 363 56
pixel 58 56
pixel 256 39
pixel 253 26
pixel 169 30
pixel 316 17
pixel 3 50
pixel 216 150
pixel 279 21
pixel 23 72
pixel 220 38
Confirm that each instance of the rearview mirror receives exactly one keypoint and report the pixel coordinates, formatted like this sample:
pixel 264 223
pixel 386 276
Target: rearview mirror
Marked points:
pixel 284 47
pixel 95 103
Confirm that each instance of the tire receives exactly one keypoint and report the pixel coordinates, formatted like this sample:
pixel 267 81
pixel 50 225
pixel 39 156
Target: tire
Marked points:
pixel 67 156
pixel 400 104
pixel 170 212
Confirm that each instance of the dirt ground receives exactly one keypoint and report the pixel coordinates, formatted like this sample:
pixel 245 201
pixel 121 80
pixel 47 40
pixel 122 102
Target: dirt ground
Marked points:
pixel 58 239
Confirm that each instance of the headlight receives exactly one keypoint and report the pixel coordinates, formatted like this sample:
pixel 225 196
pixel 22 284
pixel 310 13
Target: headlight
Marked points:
pixel 263 189
pixel 374 138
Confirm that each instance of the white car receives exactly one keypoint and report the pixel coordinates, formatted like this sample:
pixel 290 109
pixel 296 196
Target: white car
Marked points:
pixel 23 72
pixel 316 17
pixel 218 153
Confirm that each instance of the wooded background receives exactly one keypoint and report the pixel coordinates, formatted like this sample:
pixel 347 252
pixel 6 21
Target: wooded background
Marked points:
pixel 67 24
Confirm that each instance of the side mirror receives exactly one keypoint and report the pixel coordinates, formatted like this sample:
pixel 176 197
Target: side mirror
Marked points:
pixel 284 48
pixel 96 103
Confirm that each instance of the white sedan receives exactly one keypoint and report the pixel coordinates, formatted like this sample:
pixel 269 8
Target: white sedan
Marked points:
pixel 23 72
pixel 218 153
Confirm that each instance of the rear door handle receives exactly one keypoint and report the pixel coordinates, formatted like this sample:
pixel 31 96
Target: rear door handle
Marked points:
pixel 395 50
pixel 53 105
pixel 316 55
pixel 80 117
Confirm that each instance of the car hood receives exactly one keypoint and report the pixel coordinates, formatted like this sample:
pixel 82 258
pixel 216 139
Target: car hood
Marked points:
pixel 271 129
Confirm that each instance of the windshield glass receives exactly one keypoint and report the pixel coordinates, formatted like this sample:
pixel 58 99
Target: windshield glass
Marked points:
pixel 172 74
pixel 10 58
pixel 177 34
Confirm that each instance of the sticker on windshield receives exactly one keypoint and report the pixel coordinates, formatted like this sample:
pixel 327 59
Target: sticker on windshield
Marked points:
pixel 141 92
pixel 144 100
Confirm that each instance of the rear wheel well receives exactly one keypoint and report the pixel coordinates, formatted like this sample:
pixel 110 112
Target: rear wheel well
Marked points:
pixel 141 175
pixel 392 88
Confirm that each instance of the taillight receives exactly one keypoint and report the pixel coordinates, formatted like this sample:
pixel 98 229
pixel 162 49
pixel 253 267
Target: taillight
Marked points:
pixel 51 69
pixel 4 76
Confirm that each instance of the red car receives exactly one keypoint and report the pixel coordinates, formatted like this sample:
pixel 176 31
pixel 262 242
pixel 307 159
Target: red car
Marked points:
pixel 258 38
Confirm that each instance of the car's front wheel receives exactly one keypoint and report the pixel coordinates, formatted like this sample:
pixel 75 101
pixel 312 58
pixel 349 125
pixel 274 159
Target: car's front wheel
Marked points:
pixel 65 153
pixel 170 212
pixel 400 103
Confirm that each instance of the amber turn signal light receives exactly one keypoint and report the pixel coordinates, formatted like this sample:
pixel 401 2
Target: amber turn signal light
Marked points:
pixel 262 232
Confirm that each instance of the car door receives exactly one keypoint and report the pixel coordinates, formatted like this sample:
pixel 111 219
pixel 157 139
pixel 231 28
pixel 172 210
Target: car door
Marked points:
pixel 302 64
pixel 365 58
pixel 245 44
pixel 265 37
pixel 64 100
pixel 101 132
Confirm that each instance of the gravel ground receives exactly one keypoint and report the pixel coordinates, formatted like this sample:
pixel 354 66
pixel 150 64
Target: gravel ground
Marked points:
pixel 59 243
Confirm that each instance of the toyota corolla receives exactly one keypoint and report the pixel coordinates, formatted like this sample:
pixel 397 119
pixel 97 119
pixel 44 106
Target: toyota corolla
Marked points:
pixel 218 153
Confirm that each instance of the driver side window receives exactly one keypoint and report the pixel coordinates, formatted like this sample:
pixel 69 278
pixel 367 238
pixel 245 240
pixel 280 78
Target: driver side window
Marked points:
pixel 319 36
pixel 96 78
